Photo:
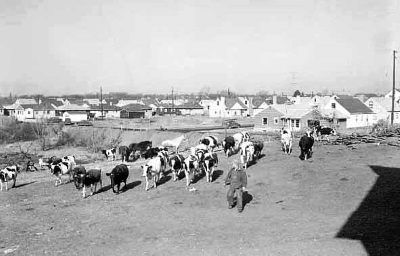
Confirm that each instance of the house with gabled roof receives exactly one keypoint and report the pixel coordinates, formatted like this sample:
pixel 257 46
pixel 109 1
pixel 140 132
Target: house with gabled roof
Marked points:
pixel 227 107
pixel 396 94
pixel 349 113
pixel 290 116
pixel 33 112
pixel 259 104
pixel 382 106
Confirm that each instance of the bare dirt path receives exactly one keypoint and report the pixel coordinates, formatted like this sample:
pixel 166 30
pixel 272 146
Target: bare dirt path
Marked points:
pixel 332 204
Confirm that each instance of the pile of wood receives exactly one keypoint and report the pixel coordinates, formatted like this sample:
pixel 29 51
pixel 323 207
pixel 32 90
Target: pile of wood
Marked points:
pixel 390 138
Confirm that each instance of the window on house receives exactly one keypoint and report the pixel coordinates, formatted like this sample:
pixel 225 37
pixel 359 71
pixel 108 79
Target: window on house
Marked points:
pixel 333 105
pixel 397 115
pixel 217 103
pixel 235 113
pixel 295 123
pixel 29 112
pixel 245 102
pixel 371 104
pixel 276 120
pixel 265 121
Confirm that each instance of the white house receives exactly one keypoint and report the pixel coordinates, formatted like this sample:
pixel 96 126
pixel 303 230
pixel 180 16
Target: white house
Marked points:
pixel 75 116
pixel 396 94
pixel 227 107
pixel 349 113
pixel 382 106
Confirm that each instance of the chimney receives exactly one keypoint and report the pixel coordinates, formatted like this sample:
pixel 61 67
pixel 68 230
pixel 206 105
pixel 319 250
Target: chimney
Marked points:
pixel 274 100
pixel 251 106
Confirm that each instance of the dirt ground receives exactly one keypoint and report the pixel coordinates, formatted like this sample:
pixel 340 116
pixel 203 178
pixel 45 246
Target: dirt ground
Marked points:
pixel 342 201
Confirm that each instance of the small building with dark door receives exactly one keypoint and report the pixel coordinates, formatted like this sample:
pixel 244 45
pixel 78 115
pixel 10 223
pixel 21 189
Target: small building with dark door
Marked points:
pixel 136 111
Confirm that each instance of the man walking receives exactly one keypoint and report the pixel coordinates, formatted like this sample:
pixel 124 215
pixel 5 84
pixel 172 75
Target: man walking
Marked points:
pixel 237 179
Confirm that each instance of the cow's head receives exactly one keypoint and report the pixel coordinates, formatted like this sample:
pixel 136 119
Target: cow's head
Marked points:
pixel 146 169
pixel 79 180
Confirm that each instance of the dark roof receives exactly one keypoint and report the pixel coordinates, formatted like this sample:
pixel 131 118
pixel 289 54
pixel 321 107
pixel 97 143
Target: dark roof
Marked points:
pixel 74 112
pixel 258 101
pixel 135 107
pixel 344 96
pixel 105 107
pixel 230 102
pixel 354 106
pixel 6 101
pixel 189 106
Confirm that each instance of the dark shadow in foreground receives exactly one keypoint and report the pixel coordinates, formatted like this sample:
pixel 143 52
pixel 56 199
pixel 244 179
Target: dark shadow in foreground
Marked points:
pixel 24 184
pixel 376 222
pixel 217 174
pixel 130 186
pixel 246 198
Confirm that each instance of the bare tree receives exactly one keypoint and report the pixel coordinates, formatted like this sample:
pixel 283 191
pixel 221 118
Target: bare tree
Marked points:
pixel 41 129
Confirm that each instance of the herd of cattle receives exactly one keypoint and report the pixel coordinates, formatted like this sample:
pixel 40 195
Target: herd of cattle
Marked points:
pixel 201 158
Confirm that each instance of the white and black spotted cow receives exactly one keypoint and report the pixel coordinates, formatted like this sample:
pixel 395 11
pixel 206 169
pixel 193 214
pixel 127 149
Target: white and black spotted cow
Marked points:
pixel 191 168
pixel 153 170
pixel 210 162
pixel 211 142
pixel 240 137
pixel 110 153
pixel 7 174
pixel 177 165
pixel 61 169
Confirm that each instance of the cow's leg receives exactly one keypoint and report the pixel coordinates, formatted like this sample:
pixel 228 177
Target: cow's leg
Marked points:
pixel 84 191
pixel 15 180
pixel 1 186
pixel 6 185
pixel 91 189
pixel 187 174
pixel 174 175
pixel 147 183
pixel 155 180
pixel 211 174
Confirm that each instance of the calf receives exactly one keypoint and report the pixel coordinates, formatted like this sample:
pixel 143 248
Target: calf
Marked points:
pixel 177 165
pixel 152 170
pixel 118 175
pixel 7 174
pixel 228 144
pixel 306 143
pixel 109 153
pixel 124 152
pixel 210 162
pixel 210 141
pixel 246 153
pixel 191 168
pixel 90 178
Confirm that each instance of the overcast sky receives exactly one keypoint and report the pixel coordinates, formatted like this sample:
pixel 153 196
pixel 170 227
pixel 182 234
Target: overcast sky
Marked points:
pixel 150 46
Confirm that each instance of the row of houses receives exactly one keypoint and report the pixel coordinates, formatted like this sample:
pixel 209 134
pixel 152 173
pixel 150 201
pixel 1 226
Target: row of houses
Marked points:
pixel 267 113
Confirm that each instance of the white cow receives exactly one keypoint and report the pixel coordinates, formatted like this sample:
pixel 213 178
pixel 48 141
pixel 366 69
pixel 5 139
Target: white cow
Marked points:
pixel 152 170
pixel 246 153
pixel 241 137
pixel 174 142
pixel 287 141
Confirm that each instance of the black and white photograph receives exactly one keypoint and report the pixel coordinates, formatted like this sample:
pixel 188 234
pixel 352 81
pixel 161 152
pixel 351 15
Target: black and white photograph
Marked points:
pixel 200 127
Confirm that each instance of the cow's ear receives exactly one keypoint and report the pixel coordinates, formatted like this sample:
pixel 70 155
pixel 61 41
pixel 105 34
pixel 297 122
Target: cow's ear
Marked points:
pixel 141 166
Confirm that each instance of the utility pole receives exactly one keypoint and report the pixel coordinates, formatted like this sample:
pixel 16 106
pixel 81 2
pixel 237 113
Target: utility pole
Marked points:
pixel 101 102
pixel 394 86
pixel 172 100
